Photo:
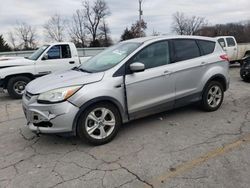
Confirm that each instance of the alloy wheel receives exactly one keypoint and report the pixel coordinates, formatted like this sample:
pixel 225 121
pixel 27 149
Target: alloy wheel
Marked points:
pixel 214 96
pixel 100 123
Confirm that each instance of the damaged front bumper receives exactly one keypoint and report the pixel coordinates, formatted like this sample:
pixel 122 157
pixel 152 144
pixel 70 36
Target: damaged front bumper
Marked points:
pixel 49 118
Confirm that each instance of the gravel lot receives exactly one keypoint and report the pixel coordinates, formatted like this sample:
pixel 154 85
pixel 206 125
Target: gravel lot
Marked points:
pixel 181 148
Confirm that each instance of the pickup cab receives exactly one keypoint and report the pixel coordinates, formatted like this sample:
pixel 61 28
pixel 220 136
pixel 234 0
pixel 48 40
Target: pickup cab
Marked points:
pixel 235 52
pixel 16 72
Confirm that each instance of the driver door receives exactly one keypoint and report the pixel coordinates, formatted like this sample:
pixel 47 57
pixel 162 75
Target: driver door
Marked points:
pixel 152 90
pixel 57 58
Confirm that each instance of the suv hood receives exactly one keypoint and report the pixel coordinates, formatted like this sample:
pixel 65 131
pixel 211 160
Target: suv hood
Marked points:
pixel 62 79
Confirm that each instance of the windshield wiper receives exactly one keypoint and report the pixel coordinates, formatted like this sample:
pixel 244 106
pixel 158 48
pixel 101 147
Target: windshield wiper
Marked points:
pixel 84 70
pixel 81 69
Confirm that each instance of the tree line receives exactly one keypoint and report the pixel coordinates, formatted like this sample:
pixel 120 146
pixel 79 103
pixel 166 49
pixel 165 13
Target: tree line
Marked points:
pixel 88 28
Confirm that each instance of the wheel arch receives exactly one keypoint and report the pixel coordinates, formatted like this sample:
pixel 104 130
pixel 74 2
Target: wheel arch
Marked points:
pixel 7 78
pixel 103 99
pixel 219 78
pixel 247 54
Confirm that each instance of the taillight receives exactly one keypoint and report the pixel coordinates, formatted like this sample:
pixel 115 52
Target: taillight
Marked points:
pixel 224 57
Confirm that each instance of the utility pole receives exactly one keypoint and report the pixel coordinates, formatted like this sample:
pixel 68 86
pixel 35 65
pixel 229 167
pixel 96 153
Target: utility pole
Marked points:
pixel 140 15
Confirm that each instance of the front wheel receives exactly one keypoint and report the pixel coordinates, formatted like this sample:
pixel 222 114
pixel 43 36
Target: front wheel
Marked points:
pixel 16 86
pixel 99 123
pixel 213 96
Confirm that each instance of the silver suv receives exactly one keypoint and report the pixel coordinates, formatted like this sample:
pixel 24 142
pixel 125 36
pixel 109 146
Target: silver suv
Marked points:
pixel 127 81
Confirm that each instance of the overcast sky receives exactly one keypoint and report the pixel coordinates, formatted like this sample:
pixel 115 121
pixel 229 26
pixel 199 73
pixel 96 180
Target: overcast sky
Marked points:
pixel 157 13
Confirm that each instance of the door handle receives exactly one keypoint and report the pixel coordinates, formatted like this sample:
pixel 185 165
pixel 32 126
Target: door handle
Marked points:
pixel 166 72
pixel 203 63
pixel 71 62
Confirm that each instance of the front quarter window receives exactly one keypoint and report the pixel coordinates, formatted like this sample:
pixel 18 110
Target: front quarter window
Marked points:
pixel 109 57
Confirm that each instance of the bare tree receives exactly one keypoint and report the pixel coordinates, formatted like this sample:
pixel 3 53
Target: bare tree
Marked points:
pixel 77 29
pixel 155 33
pixel 184 25
pixel 104 34
pixel 194 24
pixel 179 24
pixel 55 28
pixel 93 16
pixel 26 35
pixel 12 40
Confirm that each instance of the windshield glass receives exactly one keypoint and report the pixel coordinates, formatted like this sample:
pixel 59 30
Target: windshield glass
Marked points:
pixel 38 52
pixel 109 57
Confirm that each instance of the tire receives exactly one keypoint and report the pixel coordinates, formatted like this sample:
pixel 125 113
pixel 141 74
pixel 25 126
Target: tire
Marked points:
pixel 244 77
pixel 92 118
pixel 16 86
pixel 212 96
pixel 241 63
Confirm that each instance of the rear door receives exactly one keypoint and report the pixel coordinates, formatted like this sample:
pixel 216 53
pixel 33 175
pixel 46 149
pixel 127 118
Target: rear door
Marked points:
pixel 152 90
pixel 58 58
pixel 189 68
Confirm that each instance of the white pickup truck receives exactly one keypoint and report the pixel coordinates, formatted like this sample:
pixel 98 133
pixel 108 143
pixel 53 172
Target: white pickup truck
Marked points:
pixel 16 72
pixel 236 52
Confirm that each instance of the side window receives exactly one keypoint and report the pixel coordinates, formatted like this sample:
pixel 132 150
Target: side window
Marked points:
pixel 66 53
pixel 230 42
pixel 207 47
pixel 155 55
pixel 59 52
pixel 185 49
pixel 54 52
pixel 222 42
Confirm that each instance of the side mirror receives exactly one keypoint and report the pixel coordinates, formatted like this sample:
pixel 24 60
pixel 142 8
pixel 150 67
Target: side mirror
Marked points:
pixel 45 57
pixel 137 67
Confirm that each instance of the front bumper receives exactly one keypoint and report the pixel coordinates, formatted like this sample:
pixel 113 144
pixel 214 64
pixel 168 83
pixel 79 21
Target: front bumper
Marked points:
pixel 48 118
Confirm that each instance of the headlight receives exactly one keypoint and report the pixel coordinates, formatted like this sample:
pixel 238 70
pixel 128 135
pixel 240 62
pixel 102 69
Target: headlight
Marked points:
pixel 58 95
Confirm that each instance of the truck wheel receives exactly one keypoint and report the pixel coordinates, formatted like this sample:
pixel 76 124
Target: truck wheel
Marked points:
pixel 241 63
pixel 212 96
pixel 16 86
pixel 99 123
pixel 244 76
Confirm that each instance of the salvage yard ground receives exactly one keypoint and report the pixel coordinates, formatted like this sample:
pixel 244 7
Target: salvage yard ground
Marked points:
pixel 181 148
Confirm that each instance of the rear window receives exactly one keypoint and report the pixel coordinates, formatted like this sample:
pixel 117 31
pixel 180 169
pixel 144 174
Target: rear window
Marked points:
pixel 207 47
pixel 230 42
pixel 185 49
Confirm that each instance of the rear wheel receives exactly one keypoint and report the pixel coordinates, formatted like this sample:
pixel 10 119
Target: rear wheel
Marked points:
pixel 213 96
pixel 244 76
pixel 99 123
pixel 16 86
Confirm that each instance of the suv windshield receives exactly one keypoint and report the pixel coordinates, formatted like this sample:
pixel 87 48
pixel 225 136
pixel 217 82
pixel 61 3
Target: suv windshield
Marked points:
pixel 38 52
pixel 109 57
